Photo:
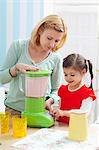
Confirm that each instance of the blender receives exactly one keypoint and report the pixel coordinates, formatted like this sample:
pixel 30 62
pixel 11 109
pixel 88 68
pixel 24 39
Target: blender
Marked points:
pixel 35 88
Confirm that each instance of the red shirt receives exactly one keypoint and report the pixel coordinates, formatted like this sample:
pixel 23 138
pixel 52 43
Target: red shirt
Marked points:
pixel 73 100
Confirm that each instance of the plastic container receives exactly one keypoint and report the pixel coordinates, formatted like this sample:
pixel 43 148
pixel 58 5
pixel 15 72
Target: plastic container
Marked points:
pixel 4 122
pixel 36 83
pixel 78 126
pixel 19 126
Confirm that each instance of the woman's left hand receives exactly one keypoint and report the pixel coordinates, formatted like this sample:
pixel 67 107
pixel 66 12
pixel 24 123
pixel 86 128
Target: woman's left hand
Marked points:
pixel 48 104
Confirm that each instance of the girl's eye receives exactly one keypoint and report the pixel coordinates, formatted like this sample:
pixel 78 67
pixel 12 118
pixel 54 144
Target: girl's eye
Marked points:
pixel 56 41
pixel 72 75
pixel 65 75
pixel 49 38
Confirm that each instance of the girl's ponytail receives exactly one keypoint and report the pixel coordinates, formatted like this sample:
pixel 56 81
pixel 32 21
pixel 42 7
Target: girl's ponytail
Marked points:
pixel 91 73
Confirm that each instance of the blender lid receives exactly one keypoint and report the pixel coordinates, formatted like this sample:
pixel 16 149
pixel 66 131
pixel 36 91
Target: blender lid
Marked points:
pixel 39 73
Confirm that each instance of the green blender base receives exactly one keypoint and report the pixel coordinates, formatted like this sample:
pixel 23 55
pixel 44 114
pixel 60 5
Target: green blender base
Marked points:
pixel 36 114
pixel 38 119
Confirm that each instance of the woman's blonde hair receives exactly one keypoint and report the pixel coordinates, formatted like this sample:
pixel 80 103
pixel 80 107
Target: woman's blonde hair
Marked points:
pixel 54 22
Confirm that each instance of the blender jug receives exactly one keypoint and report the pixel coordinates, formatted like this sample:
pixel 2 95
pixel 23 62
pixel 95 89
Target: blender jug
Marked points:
pixel 36 83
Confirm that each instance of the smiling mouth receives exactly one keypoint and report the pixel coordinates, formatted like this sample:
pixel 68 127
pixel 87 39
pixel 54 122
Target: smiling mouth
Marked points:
pixel 70 81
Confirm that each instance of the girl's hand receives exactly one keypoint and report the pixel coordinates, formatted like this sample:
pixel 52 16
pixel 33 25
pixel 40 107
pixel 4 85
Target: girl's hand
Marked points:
pixel 48 104
pixel 58 113
pixel 24 67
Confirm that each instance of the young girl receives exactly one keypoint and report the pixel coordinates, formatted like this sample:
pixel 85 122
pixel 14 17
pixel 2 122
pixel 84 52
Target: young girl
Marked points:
pixel 75 95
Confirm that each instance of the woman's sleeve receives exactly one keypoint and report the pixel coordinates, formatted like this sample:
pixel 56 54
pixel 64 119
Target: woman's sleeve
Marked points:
pixel 10 61
pixel 57 79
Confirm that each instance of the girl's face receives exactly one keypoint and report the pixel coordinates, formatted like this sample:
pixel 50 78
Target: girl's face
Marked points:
pixel 73 77
pixel 50 38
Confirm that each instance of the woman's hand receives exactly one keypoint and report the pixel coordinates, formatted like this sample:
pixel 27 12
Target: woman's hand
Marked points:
pixel 21 68
pixel 48 104
pixel 24 67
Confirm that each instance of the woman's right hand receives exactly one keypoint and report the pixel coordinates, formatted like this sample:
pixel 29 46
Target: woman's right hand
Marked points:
pixel 24 67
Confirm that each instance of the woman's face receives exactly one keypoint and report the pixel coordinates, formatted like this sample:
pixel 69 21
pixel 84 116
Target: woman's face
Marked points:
pixel 50 38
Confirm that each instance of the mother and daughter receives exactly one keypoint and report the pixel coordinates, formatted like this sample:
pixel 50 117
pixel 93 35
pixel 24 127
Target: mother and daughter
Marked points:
pixel 40 52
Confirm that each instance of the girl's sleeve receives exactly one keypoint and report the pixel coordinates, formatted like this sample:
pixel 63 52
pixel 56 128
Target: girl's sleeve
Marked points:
pixel 86 106
pixel 10 61
pixel 57 79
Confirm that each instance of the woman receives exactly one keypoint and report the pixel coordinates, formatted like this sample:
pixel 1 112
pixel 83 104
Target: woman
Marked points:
pixel 38 52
